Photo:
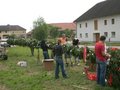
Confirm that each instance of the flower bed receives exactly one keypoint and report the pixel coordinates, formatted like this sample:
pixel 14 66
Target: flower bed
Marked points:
pixel 113 69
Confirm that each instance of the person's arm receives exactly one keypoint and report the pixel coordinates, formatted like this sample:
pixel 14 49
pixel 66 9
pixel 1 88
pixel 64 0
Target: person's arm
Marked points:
pixel 61 50
pixel 104 53
pixel 53 50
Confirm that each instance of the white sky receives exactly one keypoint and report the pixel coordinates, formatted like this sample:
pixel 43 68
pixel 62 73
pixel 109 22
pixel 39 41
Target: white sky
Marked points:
pixel 24 12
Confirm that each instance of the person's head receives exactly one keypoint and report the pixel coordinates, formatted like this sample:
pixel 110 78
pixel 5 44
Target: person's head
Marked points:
pixel 63 35
pixel 102 38
pixel 59 41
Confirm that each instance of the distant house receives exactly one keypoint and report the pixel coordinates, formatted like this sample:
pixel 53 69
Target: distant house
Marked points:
pixel 61 26
pixel 7 30
pixel 29 34
pixel 65 26
pixel 101 19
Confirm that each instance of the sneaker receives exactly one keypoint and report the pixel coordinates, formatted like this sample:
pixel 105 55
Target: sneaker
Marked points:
pixel 67 64
pixel 65 77
pixel 56 77
pixel 78 64
pixel 71 64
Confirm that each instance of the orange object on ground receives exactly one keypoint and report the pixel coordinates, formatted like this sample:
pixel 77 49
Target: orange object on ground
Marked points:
pixel 90 75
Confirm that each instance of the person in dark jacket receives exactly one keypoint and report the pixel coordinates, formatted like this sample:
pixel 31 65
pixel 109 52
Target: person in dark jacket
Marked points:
pixel 58 51
pixel 44 47
pixel 75 41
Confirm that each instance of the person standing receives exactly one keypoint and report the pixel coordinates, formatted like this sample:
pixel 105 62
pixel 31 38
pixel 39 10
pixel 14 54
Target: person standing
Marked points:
pixel 63 39
pixel 58 51
pixel 76 43
pixel 101 58
pixel 67 53
pixel 45 49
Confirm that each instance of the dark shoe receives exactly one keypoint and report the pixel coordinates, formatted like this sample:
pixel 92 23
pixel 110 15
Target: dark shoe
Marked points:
pixel 56 77
pixel 65 77
pixel 67 64
pixel 71 64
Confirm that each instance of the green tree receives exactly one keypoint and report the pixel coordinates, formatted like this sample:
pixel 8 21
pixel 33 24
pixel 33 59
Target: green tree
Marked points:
pixel 40 29
pixel 12 36
pixel 68 32
pixel 32 44
pixel 53 31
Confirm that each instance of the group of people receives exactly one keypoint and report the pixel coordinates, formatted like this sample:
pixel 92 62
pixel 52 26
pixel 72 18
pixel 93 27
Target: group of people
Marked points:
pixel 100 52
pixel 58 52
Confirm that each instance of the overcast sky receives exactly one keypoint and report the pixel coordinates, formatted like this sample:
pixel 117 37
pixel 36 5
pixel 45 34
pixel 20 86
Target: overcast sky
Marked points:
pixel 24 12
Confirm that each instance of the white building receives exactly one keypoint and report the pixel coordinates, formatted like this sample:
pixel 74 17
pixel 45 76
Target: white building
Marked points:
pixel 101 19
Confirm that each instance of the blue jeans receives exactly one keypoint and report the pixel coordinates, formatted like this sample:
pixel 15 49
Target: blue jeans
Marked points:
pixel 66 56
pixel 59 62
pixel 45 54
pixel 101 72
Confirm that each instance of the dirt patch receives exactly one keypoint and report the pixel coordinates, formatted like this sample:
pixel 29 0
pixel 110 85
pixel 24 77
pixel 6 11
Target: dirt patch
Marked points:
pixel 2 87
pixel 2 67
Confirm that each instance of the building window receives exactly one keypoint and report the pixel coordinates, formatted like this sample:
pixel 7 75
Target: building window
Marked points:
pixel 96 24
pixel 80 35
pixel 113 21
pixel 113 34
pixel 106 34
pixel 80 25
pixel 86 35
pixel 105 22
pixel 86 25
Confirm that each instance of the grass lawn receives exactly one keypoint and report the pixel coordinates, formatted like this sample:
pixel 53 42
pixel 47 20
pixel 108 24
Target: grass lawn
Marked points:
pixel 34 76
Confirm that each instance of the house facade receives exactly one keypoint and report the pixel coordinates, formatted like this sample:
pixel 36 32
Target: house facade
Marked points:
pixel 101 19
pixel 7 30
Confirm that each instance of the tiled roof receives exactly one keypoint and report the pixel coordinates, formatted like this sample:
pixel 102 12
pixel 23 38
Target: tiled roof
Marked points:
pixel 102 9
pixel 11 27
pixel 63 26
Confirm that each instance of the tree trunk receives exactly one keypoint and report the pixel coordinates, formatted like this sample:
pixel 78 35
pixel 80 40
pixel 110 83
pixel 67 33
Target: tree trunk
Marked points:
pixel 32 51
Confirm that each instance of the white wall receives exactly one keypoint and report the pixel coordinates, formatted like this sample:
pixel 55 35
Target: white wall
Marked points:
pixel 101 28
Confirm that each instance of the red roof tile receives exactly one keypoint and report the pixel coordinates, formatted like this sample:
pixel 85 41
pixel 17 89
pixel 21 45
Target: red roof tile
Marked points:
pixel 63 26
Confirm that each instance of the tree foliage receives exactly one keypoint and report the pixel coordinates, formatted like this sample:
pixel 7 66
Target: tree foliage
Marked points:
pixel 53 31
pixel 67 32
pixel 40 29
pixel 31 43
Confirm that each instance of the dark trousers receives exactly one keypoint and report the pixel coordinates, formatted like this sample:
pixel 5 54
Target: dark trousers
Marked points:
pixel 59 63
pixel 45 54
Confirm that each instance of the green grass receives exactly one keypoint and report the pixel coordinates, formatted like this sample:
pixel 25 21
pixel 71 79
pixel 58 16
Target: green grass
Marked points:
pixel 34 76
